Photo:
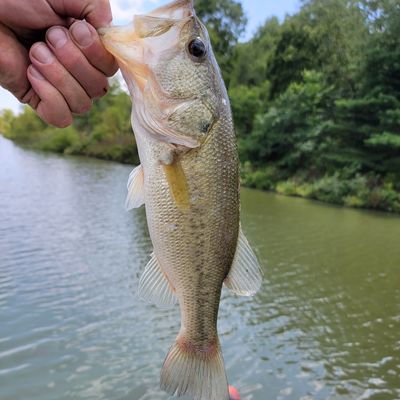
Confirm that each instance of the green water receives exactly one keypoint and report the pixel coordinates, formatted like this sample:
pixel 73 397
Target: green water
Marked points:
pixel 326 324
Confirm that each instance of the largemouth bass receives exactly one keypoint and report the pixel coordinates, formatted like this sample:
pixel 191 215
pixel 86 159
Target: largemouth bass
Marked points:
pixel 189 182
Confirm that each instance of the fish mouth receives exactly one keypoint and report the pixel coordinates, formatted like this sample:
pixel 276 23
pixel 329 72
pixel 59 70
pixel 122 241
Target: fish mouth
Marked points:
pixel 134 44
pixel 126 41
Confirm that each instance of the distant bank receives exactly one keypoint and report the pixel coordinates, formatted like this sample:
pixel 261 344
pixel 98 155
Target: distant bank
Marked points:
pixel 329 189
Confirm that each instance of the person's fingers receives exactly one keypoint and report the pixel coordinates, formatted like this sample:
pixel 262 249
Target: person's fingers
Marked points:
pixel 51 107
pixel 68 54
pixel 48 65
pixel 96 12
pixel 88 40
pixel 14 61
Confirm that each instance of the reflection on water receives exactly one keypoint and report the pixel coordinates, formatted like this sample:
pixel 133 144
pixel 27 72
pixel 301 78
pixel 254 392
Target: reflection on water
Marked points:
pixel 325 325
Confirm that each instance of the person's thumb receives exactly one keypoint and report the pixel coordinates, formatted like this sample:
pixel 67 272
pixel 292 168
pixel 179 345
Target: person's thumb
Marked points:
pixel 14 62
pixel 96 12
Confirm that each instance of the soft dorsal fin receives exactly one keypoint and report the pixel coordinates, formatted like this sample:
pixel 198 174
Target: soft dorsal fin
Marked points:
pixel 244 277
pixel 154 286
pixel 135 185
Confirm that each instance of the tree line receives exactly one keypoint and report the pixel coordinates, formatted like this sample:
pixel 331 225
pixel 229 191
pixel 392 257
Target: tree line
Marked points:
pixel 315 99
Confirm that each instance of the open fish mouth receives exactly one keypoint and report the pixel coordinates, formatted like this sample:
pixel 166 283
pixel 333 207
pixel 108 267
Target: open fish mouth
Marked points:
pixel 188 180
pixel 136 45
pixel 149 51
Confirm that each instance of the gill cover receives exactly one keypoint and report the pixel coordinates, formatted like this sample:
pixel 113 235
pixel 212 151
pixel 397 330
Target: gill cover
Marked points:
pixel 170 108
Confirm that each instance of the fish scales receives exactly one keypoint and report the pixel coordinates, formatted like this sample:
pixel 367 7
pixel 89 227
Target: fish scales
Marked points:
pixel 189 182
pixel 206 232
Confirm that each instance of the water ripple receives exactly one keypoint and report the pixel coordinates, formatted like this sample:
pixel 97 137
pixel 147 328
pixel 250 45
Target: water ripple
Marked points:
pixel 324 326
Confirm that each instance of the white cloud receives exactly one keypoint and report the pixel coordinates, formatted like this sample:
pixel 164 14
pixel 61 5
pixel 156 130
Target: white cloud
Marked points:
pixel 124 10
pixel 7 100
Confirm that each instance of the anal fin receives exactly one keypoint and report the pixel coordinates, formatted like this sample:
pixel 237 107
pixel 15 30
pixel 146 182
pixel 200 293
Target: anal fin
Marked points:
pixel 135 197
pixel 154 286
pixel 244 278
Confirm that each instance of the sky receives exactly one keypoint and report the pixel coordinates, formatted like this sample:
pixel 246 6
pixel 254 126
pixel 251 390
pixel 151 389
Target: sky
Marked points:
pixel 257 12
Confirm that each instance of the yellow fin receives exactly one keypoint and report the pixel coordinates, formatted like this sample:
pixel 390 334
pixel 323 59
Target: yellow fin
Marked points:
pixel 177 184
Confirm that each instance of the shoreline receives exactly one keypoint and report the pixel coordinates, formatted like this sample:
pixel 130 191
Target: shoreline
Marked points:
pixel 287 188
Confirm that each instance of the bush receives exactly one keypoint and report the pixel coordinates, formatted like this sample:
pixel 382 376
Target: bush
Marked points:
pixel 383 199
pixel 287 188
pixel 59 140
pixel 262 179
pixel 330 189
pixel 354 201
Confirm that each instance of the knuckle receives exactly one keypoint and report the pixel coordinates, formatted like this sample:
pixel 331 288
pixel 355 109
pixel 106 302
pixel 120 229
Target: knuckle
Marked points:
pixel 73 59
pixel 59 79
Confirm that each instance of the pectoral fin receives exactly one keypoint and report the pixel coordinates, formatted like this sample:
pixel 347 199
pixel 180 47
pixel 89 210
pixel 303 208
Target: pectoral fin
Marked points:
pixel 154 286
pixel 135 185
pixel 177 184
pixel 244 278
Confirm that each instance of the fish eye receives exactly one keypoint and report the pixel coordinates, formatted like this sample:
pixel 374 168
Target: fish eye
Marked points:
pixel 197 48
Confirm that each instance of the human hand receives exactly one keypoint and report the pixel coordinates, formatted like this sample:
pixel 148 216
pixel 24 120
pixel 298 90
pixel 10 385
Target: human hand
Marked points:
pixel 61 74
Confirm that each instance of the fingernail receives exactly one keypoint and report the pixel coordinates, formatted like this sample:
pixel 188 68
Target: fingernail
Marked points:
pixel 35 73
pixel 82 34
pixel 57 37
pixel 42 53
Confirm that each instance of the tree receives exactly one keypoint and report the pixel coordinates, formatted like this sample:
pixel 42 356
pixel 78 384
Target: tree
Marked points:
pixel 326 36
pixel 260 50
pixel 226 22
pixel 291 132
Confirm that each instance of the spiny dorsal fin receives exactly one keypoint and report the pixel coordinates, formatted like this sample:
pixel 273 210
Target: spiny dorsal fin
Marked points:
pixel 154 286
pixel 135 185
pixel 244 278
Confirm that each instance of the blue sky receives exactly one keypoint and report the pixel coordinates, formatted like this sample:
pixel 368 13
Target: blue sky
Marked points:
pixel 257 12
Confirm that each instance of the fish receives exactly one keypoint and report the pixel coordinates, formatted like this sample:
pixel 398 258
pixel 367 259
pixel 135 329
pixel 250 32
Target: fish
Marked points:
pixel 188 181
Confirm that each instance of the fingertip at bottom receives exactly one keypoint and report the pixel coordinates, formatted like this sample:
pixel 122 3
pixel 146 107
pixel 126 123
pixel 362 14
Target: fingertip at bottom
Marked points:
pixel 64 124
pixel 57 122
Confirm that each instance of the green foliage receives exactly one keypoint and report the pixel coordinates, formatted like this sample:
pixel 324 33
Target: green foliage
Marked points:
pixel 25 128
pixel 58 140
pixel 103 133
pixel 386 140
pixel 289 133
pixel 246 102
pixel 226 22
pixel 251 59
pixel 330 128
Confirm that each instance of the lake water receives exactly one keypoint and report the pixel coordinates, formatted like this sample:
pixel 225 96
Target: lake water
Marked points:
pixel 326 324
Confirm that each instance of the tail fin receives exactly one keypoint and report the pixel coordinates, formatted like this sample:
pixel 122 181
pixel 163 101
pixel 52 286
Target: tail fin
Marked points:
pixel 197 373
